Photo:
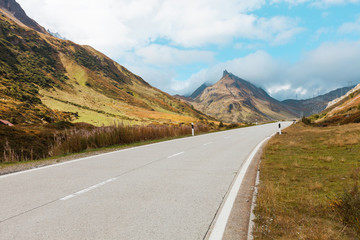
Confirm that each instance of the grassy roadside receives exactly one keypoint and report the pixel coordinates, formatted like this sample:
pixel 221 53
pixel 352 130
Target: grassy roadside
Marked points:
pixel 6 168
pixel 307 184
pixel 15 166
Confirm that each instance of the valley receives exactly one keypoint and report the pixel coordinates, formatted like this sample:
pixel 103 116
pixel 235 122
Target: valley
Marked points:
pixel 91 149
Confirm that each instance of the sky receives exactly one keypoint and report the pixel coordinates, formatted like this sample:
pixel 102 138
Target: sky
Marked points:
pixel 291 48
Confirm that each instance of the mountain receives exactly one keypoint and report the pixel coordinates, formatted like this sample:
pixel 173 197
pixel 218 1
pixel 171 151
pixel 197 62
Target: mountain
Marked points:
pixel 13 10
pixel 58 35
pixel 199 90
pixel 45 79
pixel 343 110
pixel 233 99
pixel 314 105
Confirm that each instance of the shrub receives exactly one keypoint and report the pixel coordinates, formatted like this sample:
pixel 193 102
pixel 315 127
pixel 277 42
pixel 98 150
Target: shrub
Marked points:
pixel 306 121
pixel 347 206
pixel 232 125
pixel 316 116
pixel 60 125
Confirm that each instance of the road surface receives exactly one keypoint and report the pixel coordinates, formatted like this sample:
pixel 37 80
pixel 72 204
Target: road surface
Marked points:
pixel 169 190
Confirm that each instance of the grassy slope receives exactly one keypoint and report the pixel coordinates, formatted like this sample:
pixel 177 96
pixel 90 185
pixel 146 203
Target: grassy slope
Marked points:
pixel 345 111
pixel 40 74
pixel 302 172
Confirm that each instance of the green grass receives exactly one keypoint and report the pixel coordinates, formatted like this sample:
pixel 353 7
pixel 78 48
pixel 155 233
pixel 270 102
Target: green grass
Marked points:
pixel 303 172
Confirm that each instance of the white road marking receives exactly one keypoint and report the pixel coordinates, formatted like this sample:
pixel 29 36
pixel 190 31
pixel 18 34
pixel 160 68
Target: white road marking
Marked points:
pixel 104 154
pixel 205 144
pixel 227 137
pixel 177 154
pixel 223 217
pixel 88 189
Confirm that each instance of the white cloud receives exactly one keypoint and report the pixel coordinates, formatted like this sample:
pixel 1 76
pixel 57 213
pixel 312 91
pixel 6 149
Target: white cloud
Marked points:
pixel 330 66
pixel 118 26
pixel 350 27
pixel 164 55
pixel 320 32
pixel 301 91
pixel 278 88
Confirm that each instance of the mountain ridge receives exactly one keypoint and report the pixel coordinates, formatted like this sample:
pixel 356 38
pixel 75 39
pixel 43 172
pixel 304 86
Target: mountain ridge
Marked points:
pixel 233 99
pixel 46 79
pixel 14 9
pixel 343 110
pixel 314 105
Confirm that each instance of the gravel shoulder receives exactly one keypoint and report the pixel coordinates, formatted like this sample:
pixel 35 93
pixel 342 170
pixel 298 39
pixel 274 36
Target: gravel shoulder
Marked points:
pixel 238 224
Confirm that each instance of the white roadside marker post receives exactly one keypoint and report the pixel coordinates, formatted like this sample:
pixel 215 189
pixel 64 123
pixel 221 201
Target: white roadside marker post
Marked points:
pixel 279 128
pixel 192 129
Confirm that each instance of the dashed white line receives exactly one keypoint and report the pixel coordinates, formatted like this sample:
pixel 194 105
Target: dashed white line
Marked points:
pixel 88 189
pixel 177 154
pixel 205 144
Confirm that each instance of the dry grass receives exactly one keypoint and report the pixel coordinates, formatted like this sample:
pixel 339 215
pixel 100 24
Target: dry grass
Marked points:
pixel 72 141
pixel 21 145
pixel 302 173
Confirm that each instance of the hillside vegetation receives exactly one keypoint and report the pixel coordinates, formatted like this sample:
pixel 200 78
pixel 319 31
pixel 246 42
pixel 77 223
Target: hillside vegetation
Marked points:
pixel 342 111
pixel 45 79
pixel 310 184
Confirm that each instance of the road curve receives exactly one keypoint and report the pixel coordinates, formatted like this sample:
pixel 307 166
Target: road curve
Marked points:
pixel 169 190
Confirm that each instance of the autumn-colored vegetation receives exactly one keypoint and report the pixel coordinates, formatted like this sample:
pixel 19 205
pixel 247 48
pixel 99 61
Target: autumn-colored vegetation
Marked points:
pixel 44 79
pixel 309 184
pixel 26 143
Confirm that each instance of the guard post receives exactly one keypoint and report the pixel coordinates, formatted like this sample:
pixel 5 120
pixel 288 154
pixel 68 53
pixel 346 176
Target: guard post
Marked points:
pixel 279 128
pixel 192 129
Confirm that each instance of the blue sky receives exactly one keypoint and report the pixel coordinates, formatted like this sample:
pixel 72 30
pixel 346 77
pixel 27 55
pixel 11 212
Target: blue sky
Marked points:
pixel 291 48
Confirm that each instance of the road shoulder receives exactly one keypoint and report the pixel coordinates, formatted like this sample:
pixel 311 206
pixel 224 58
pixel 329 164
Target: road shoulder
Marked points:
pixel 238 223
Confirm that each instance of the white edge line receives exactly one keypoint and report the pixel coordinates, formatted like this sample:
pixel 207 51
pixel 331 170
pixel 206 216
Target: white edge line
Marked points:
pixel 176 154
pixel 253 204
pixel 221 222
pixel 114 152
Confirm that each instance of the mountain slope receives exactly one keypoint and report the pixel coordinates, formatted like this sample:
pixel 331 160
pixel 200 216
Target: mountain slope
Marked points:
pixel 233 99
pixel 314 105
pixel 45 79
pixel 345 109
pixel 199 90
pixel 13 10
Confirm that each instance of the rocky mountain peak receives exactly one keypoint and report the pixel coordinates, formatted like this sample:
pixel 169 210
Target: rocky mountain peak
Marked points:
pixel 13 8
pixel 233 99
pixel 225 73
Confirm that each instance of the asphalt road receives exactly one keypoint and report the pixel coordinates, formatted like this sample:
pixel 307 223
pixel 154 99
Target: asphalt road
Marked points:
pixel 169 190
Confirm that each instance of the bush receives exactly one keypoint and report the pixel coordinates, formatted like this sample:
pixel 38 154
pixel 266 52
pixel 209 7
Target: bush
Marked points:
pixel 60 125
pixel 306 121
pixel 232 125
pixel 348 208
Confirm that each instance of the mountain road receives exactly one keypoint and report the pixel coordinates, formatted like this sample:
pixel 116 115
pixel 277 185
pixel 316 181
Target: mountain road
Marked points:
pixel 168 190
